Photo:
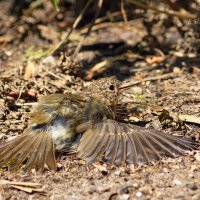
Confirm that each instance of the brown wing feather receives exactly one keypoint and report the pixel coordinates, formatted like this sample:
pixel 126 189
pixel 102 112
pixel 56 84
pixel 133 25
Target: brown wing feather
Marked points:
pixel 132 154
pixel 140 146
pixel 23 155
pixel 122 150
pixel 126 143
pixel 167 145
pixel 38 148
pixel 88 143
pixel 11 150
pixel 151 150
pixel 41 154
pixel 98 150
pixel 50 154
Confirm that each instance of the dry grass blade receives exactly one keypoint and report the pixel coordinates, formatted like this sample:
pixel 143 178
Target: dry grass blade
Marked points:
pixel 28 187
pixel 27 184
pixel 123 12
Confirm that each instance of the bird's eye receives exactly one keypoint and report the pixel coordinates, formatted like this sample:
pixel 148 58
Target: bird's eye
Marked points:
pixel 111 87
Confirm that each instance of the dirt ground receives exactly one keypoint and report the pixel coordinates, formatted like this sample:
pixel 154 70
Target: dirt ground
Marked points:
pixel 156 51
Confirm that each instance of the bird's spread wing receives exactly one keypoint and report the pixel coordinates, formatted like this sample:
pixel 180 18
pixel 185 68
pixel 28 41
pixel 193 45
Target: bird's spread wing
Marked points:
pixel 119 143
pixel 36 148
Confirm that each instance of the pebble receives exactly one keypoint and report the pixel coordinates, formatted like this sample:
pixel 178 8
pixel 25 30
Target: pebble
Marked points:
pixel 146 189
pixel 117 173
pixel 138 194
pixel 124 197
pixel 165 170
pixel 137 90
pixel 193 168
pixel 101 188
pixel 135 185
pixel 48 61
pixel 192 186
pixel 180 197
pixel 197 156
pixel 177 182
pixel 196 197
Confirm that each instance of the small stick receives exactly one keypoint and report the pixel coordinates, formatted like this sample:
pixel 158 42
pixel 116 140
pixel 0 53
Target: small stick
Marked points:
pixel 75 24
pixel 160 77
pixel 27 184
pixel 100 2
pixel 28 187
pixel 185 15
pixel 123 12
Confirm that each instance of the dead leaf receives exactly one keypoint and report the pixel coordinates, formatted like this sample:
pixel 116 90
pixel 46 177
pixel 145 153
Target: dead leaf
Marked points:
pixel 31 69
pixel 154 59
pixel 6 38
pixel 189 118
pixel 103 169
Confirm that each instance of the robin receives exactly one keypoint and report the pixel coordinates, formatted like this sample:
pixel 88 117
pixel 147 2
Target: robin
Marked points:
pixel 88 124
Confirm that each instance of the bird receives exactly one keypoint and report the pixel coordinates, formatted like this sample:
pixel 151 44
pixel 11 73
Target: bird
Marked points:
pixel 88 124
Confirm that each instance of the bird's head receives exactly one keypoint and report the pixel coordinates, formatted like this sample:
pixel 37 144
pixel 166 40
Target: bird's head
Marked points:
pixel 105 90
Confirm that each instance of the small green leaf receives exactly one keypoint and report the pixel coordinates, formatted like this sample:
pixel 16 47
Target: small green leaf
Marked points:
pixel 55 5
pixel 36 54
pixel 140 96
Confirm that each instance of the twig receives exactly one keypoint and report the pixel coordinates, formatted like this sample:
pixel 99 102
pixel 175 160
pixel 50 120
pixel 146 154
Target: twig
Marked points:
pixel 75 24
pixel 98 26
pixel 123 12
pixel 100 2
pixel 49 72
pixel 21 91
pixel 108 16
pixel 30 184
pixel 183 15
pixel 172 5
pixel 160 77
pixel 79 18
pixel 26 104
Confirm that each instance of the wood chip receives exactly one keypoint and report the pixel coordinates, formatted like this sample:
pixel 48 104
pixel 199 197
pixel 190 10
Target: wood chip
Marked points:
pixel 189 118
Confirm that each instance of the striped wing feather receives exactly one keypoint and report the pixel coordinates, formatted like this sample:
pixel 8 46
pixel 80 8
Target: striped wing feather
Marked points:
pixel 36 148
pixel 120 143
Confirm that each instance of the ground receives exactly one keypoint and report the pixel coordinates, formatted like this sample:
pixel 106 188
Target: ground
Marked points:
pixel 157 52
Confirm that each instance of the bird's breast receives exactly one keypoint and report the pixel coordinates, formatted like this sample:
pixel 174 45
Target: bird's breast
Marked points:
pixel 63 133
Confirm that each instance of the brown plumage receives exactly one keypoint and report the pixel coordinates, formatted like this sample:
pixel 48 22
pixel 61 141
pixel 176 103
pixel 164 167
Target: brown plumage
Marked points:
pixel 87 123
pixel 120 143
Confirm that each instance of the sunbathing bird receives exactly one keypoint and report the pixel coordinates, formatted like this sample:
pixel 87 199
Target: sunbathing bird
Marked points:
pixel 88 124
